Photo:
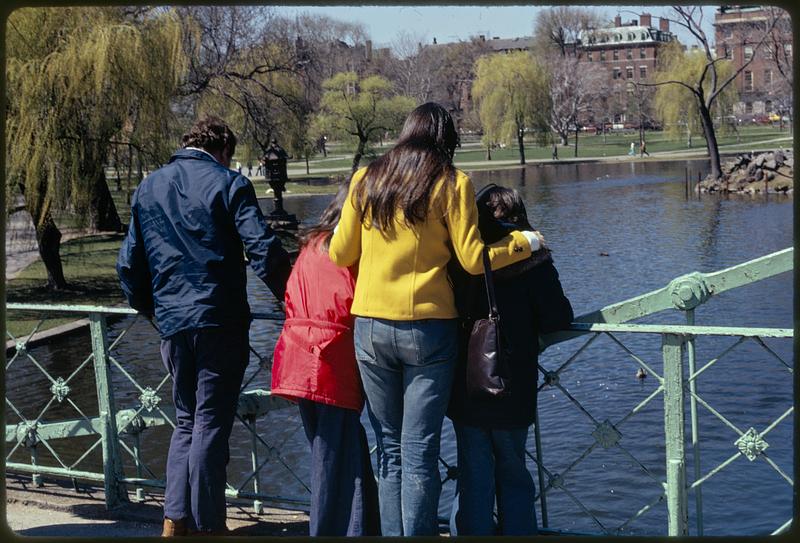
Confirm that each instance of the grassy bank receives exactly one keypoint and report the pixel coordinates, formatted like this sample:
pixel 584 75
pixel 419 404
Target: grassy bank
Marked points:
pixel 89 266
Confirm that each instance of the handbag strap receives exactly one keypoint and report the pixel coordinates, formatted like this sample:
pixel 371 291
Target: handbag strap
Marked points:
pixel 489 279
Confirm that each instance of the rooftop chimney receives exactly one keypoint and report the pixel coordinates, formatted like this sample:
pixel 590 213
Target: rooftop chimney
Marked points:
pixel 663 24
pixel 618 21
pixel 645 20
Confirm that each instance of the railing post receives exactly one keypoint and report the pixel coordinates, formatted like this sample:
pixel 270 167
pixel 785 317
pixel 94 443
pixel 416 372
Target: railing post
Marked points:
pixel 258 505
pixel 116 493
pixel 677 510
pixel 698 492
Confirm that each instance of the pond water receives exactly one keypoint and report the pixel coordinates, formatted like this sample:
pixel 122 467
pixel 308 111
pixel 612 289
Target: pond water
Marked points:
pixel 616 231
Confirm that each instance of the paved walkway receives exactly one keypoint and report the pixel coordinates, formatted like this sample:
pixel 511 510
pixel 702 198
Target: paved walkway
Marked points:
pixel 57 510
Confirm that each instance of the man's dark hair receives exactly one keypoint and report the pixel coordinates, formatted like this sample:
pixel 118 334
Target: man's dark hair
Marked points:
pixel 210 133
pixel 507 205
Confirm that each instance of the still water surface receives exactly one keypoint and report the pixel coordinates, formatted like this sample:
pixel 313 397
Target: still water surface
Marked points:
pixel 636 214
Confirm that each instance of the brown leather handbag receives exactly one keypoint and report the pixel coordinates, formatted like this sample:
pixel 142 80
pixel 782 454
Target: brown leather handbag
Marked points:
pixel 488 372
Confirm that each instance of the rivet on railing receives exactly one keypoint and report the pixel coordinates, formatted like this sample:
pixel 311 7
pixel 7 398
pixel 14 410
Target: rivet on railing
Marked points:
pixel 149 399
pixel 551 378
pixel 751 444
pixel 606 434
pixel 21 348
pixel 556 481
pixel 60 389
pixel 689 291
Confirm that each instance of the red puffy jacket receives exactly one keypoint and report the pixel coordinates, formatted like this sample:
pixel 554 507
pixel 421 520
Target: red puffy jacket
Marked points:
pixel 315 358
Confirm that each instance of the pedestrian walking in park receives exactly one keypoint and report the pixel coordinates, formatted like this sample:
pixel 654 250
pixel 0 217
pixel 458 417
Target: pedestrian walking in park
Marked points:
pixel 249 168
pixel 643 149
pixel 491 431
pixel 632 151
pixel 182 262
pixel 403 212
pixel 239 167
pixel 314 364
pixel 555 151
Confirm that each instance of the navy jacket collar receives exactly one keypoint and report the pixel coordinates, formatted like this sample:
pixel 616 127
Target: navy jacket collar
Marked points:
pixel 191 153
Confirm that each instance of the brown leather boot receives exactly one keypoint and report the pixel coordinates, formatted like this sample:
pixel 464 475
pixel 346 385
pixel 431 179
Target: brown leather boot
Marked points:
pixel 174 528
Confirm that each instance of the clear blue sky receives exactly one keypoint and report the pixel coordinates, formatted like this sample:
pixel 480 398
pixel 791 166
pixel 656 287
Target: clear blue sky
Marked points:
pixel 452 23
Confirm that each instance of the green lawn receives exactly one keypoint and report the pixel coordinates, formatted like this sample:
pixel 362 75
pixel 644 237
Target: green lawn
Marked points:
pixel 89 267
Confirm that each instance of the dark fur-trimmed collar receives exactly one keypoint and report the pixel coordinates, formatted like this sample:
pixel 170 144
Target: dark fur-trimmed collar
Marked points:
pixel 539 257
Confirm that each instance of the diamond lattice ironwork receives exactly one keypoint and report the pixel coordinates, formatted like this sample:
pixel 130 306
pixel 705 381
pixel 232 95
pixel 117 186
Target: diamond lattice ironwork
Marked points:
pixel 60 389
pixel 751 444
pixel 606 434
pixel 149 399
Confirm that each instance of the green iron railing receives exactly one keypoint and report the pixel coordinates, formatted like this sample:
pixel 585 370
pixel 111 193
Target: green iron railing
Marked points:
pixel 115 425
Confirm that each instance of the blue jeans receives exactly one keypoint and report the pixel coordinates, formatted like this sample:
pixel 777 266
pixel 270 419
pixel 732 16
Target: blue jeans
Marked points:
pixel 407 370
pixel 491 465
pixel 344 497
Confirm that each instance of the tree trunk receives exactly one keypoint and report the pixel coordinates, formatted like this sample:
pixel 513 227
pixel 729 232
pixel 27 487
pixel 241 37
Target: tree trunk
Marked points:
pixel 308 169
pixel 130 172
pixel 576 141
pixel 362 143
pixel 711 140
pixel 103 214
pixel 520 134
pixel 48 237
pixel 488 151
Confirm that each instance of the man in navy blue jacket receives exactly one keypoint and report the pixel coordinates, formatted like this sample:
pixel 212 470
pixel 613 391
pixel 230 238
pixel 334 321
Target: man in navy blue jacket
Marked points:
pixel 192 222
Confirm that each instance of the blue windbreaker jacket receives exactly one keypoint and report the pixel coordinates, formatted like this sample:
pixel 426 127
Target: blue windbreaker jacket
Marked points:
pixel 192 222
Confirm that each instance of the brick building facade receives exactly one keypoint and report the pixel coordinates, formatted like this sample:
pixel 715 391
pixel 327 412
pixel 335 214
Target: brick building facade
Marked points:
pixel 762 89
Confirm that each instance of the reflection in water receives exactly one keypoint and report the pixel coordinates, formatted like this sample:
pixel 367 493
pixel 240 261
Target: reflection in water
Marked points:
pixel 638 214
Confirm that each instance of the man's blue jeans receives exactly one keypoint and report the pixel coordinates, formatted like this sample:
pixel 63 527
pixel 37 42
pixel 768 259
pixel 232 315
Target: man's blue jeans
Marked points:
pixel 407 371
pixel 491 465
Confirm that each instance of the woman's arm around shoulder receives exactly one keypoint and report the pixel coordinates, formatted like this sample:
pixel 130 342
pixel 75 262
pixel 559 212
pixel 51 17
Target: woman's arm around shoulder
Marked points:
pixel 461 217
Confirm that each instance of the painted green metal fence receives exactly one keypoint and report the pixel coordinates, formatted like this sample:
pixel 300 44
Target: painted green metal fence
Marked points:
pixel 117 430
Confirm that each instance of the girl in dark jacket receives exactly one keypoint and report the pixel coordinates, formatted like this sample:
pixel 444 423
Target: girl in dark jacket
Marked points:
pixel 491 432
pixel 315 365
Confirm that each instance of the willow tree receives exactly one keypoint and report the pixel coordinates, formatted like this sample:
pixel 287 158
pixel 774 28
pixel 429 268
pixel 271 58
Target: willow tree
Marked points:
pixel 509 92
pixel 677 106
pixel 361 109
pixel 78 79
pixel 712 75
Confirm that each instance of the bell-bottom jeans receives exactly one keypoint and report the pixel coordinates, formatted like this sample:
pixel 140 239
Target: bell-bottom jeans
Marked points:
pixel 407 371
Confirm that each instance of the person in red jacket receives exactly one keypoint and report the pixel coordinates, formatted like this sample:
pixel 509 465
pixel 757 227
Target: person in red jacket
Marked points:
pixel 314 364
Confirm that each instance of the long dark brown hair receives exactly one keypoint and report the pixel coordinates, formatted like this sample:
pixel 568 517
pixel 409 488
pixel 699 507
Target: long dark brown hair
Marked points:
pixel 327 221
pixel 404 177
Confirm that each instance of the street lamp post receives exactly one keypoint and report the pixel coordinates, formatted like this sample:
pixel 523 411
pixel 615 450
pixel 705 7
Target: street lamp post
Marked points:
pixel 275 164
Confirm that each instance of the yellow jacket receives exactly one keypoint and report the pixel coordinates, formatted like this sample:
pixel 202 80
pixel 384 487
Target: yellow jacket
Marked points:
pixel 405 277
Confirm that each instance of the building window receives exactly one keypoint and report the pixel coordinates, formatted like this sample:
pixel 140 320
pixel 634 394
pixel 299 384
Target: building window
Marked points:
pixel 767 77
pixel 787 49
pixel 748 54
pixel 727 31
pixel 768 106
pixel 589 56
pixel 615 54
pixel 629 72
pixel 642 72
pixel 602 55
pixel 768 54
pixel 748 108
pixel 617 73
pixel 642 52
pixel 629 54
pixel 748 81
pixel 728 52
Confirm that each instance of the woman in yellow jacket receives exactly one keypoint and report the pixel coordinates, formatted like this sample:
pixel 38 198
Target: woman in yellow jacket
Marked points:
pixel 406 214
